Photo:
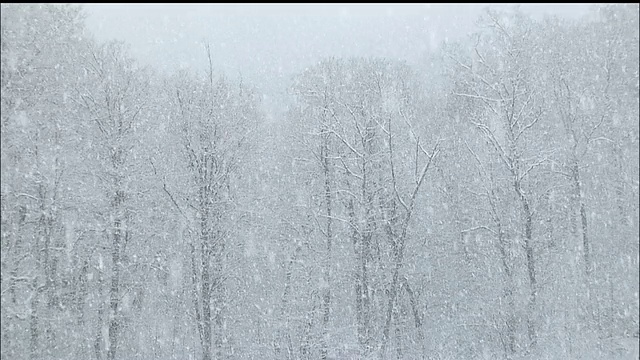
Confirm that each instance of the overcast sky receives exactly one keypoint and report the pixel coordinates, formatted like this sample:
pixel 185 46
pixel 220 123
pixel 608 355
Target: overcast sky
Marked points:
pixel 270 43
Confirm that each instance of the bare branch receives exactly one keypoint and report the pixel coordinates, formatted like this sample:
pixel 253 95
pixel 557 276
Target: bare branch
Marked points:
pixel 480 227
pixel 495 143
pixel 346 143
pixel 531 167
pixel 477 97
pixel 588 137
pixel 527 127
pixel 164 187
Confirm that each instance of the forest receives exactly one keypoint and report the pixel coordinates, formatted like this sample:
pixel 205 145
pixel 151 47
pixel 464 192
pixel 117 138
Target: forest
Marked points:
pixel 484 206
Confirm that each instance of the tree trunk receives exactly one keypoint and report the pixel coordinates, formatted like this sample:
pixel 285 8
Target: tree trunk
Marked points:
pixel 360 280
pixel 509 287
pixel 531 269
pixel 114 291
pixel 326 296
pixel 33 322
pixel 97 344
pixel 417 316
pixel 509 296
pixel 117 247
pixel 205 281
pixel 577 195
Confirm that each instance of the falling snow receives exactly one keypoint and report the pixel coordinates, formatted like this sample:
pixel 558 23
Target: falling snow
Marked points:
pixel 320 182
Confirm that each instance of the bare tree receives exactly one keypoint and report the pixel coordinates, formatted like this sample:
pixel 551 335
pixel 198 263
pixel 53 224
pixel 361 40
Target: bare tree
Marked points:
pixel 114 101
pixel 36 69
pixel 214 120
pixel 509 108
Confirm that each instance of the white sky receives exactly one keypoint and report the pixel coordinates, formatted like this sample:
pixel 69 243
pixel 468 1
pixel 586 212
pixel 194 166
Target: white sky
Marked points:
pixel 270 43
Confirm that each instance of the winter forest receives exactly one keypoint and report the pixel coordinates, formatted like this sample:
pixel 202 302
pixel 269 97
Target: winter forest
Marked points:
pixel 483 205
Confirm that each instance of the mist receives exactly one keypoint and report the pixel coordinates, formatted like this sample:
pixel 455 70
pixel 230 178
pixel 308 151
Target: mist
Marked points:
pixel 320 181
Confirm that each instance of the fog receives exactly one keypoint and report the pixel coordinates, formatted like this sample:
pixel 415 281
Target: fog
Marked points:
pixel 320 182
pixel 267 44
